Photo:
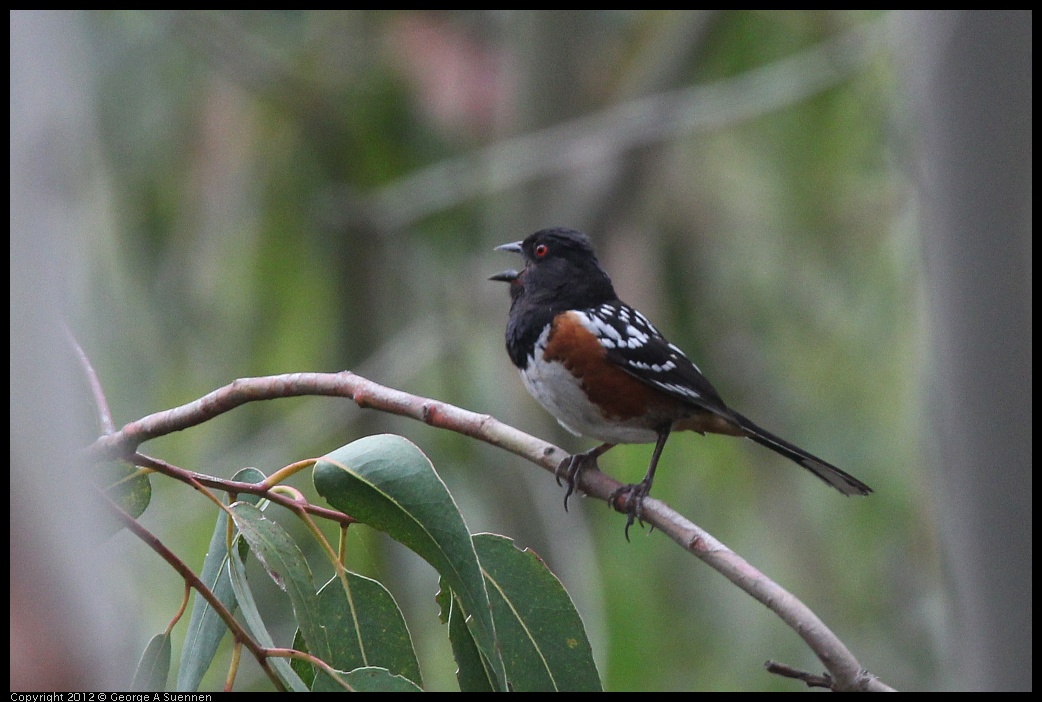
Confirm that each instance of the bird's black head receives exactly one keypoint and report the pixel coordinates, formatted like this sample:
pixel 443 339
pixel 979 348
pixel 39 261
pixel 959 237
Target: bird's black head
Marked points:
pixel 561 271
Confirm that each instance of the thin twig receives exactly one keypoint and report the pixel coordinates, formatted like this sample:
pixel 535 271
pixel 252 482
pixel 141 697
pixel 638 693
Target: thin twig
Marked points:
pixel 240 634
pixel 787 671
pixel 234 486
pixel 104 413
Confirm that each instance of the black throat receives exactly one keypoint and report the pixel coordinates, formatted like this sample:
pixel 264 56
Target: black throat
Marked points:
pixel 545 289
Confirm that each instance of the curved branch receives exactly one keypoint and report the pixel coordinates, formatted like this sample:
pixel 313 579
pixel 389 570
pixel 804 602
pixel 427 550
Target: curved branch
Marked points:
pixel 845 671
pixel 233 486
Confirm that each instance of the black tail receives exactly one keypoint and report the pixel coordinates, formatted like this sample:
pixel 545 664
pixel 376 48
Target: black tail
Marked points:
pixel 844 482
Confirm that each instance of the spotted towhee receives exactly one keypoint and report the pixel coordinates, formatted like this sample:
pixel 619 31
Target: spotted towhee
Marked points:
pixel 603 370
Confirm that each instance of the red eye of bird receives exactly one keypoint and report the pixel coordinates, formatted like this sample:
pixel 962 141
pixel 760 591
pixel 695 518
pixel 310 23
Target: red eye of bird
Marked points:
pixel 540 250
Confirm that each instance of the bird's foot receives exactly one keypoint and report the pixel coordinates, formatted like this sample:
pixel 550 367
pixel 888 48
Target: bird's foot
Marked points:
pixel 571 467
pixel 629 499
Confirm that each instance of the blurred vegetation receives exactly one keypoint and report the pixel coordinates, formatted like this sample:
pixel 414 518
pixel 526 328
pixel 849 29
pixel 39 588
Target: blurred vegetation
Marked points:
pixel 290 191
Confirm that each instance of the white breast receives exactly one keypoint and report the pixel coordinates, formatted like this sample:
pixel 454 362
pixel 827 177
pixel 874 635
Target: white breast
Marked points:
pixel 561 393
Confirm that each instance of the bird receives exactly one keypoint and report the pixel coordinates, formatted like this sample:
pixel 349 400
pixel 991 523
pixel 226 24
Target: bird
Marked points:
pixel 605 372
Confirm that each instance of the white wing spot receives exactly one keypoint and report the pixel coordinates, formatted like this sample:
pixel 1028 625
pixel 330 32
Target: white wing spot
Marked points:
pixel 608 335
pixel 683 390
pixel 635 333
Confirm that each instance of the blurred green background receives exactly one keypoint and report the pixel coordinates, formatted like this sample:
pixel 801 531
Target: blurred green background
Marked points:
pixel 317 191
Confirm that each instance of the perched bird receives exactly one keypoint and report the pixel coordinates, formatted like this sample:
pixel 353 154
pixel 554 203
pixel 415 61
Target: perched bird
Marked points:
pixel 605 372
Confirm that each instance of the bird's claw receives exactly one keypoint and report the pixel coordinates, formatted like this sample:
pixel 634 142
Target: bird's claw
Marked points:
pixel 632 499
pixel 569 469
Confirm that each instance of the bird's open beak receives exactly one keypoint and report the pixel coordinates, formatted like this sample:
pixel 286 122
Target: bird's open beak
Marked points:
pixel 513 247
pixel 511 275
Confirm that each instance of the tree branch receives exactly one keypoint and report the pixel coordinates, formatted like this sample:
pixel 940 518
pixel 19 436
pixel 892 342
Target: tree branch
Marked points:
pixel 193 581
pixel 845 671
pixel 233 486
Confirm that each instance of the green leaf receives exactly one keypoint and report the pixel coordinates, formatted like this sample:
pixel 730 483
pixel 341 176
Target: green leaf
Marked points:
pixel 387 482
pixel 384 634
pixel 255 623
pixel 287 567
pixel 366 680
pixel 205 628
pixel 471 672
pixel 540 632
pixel 154 666
pixel 132 494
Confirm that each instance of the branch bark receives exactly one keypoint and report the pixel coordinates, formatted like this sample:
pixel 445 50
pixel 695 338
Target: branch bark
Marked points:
pixel 845 671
